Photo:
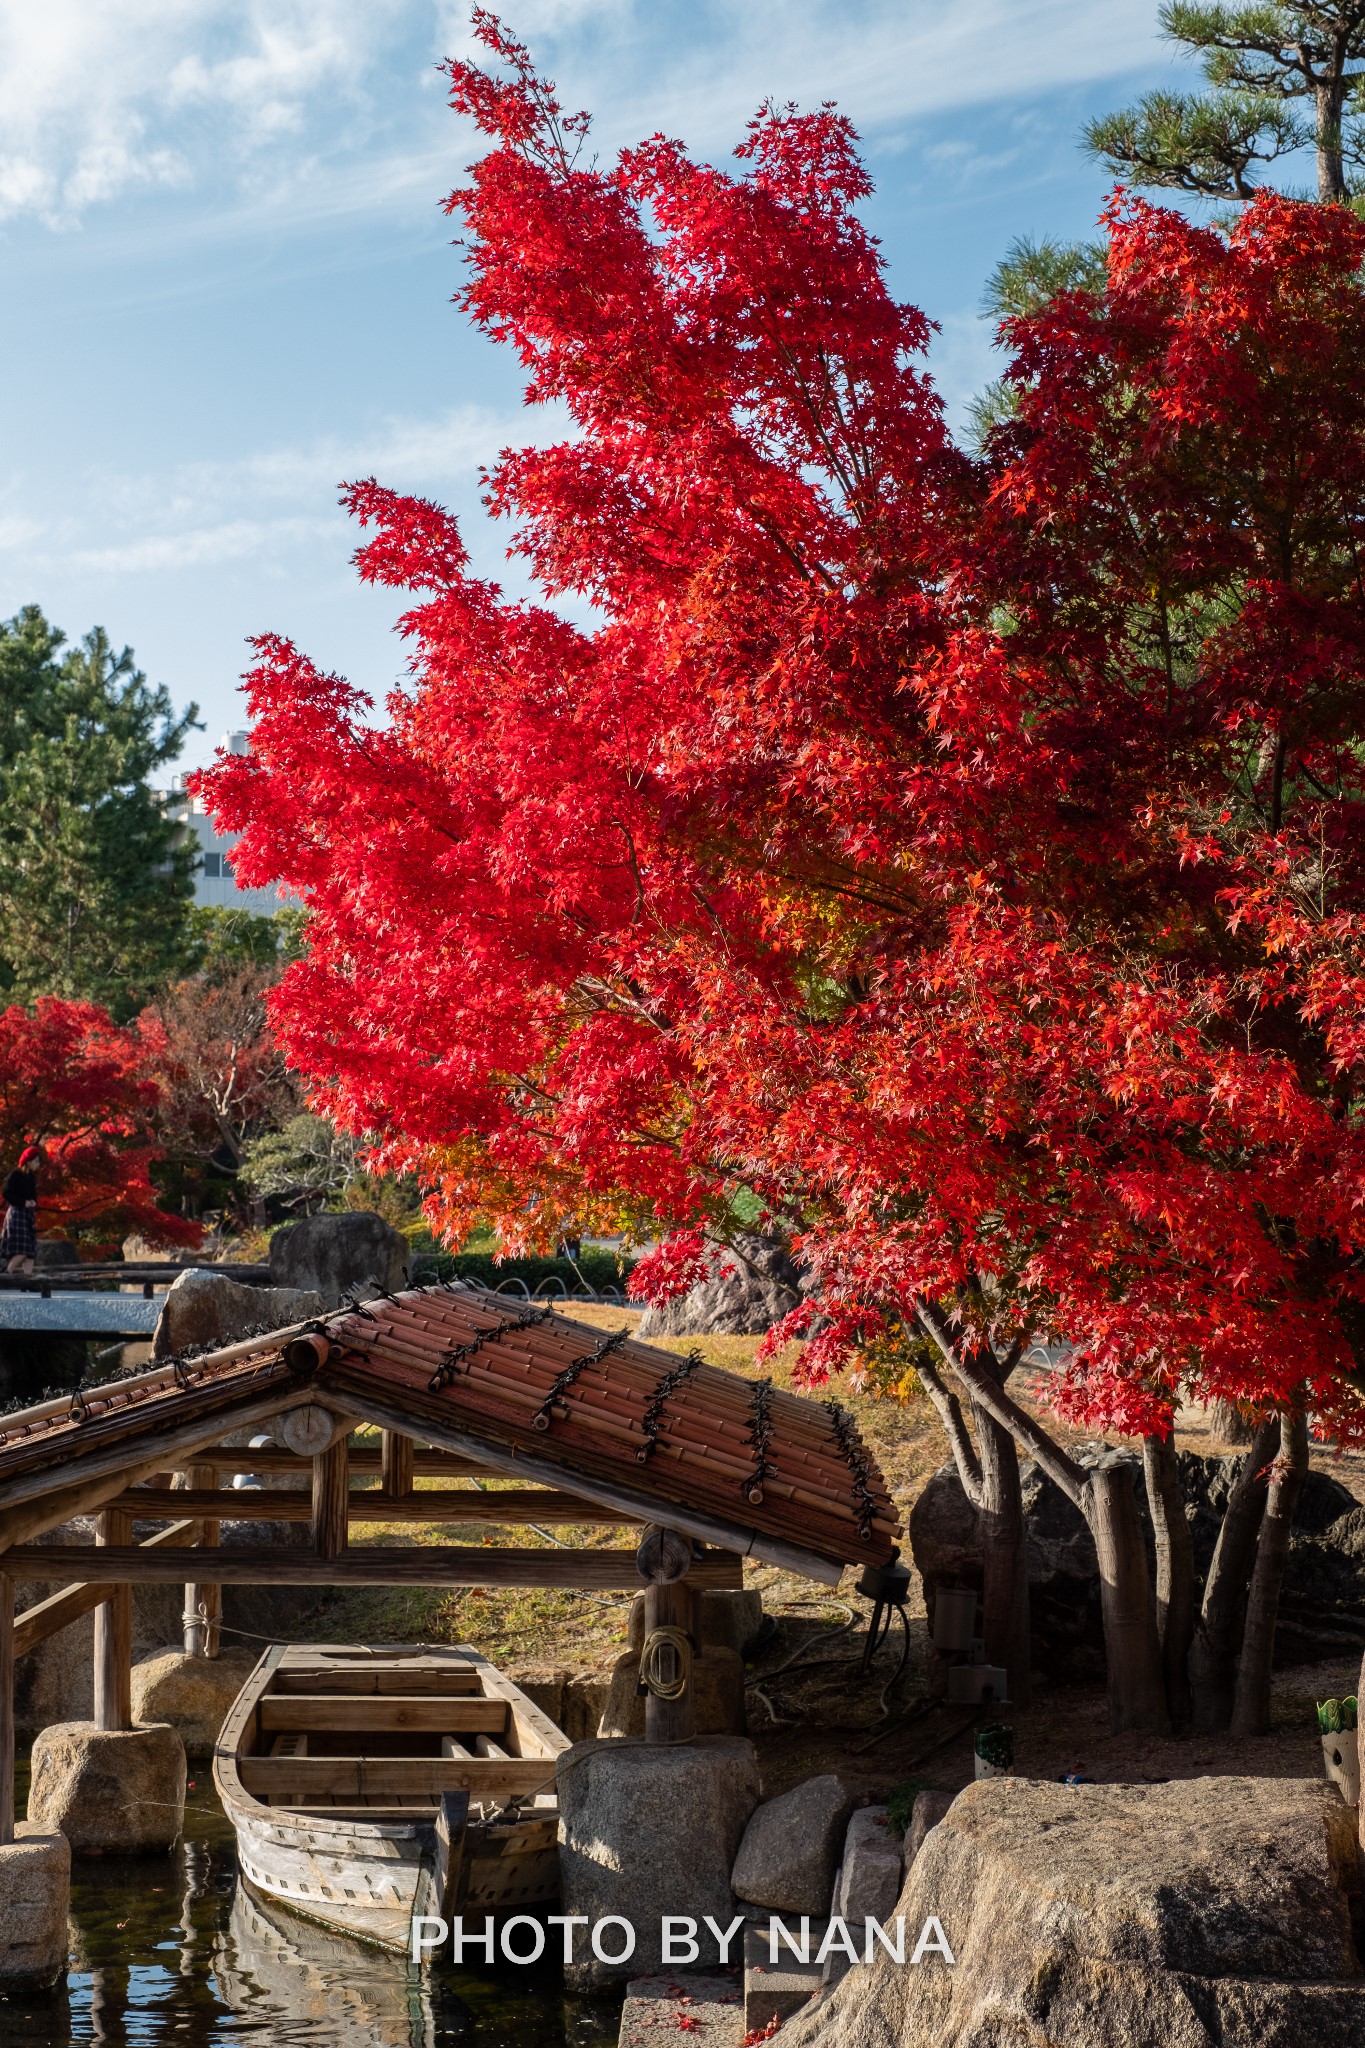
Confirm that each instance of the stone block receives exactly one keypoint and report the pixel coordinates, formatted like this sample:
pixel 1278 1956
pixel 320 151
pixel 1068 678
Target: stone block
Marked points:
pixel 717 1695
pixel 870 1875
pixel 189 1694
pixel 203 1310
pixel 117 1791
pixel 777 1986
pixel 647 1830
pixel 35 1893
pixel 333 1254
pixel 1186 1915
pixel 726 1620
pixel 708 2010
pixel 791 1846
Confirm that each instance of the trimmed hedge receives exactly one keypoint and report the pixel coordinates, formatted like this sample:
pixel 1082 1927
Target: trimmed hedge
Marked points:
pixel 599 1269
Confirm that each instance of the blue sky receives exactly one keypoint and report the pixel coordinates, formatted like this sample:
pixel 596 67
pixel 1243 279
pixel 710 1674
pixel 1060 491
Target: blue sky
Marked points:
pixel 227 280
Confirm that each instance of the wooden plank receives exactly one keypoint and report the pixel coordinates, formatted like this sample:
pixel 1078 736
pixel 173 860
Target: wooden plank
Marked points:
pixel 387 1777
pixel 330 1484
pixel 510 1505
pixel 114 1633
pixel 384 1680
pixel 451 1818
pixel 465 1564
pixel 378 1712
pixel 367 1458
pixel 6 1708
pixel 396 1463
pixel 59 1610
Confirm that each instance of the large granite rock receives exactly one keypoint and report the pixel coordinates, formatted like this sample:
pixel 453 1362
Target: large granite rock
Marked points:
pixel 1199 1914
pixel 647 1830
pixel 35 1893
pixel 203 1310
pixel 748 1289
pixel 787 1858
pixel 333 1254
pixel 109 1791
pixel 870 1870
pixel 190 1694
pixel 1322 1608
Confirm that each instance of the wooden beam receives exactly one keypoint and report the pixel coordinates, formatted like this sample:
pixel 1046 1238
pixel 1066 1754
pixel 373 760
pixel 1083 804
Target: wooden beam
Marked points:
pixel 330 1485
pixel 114 1633
pixel 396 1466
pixel 465 1564
pixel 46 1617
pixel 382 1712
pixel 201 1619
pixel 426 1464
pixel 6 1708
pixel 508 1504
pixel 389 1777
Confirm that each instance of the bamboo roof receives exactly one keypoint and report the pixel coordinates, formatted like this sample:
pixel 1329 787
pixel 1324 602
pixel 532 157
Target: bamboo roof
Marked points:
pixel 521 1390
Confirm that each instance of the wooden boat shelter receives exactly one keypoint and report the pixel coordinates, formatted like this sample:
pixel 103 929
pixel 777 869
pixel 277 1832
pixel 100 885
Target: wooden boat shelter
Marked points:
pixel 592 1428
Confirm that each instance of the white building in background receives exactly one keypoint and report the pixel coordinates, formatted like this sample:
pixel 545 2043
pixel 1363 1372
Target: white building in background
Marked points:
pixel 215 883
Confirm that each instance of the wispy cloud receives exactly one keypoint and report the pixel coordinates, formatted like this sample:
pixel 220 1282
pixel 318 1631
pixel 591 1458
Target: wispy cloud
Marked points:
pixel 335 104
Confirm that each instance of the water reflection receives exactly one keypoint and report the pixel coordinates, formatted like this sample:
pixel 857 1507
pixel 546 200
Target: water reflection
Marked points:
pixel 171 1952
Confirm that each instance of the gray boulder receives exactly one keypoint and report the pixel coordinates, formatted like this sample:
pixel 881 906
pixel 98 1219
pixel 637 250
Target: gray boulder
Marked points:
pixel 1187 1915
pixel 787 1858
pixel 870 1872
pixel 647 1830
pixel 190 1694
pixel 205 1309
pixel 334 1254
pixel 750 1287
pixel 117 1790
pixel 927 1811
pixel 56 1251
pixel 35 1893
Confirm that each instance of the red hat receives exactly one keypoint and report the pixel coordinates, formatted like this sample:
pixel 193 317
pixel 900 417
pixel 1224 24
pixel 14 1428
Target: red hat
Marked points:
pixel 30 1152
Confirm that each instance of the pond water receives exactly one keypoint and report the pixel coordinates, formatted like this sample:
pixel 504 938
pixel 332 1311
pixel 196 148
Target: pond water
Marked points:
pixel 172 1952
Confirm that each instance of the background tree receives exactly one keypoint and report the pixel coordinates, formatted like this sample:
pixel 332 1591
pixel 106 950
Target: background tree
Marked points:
pixel 94 891
pixel 1280 78
pixel 75 1082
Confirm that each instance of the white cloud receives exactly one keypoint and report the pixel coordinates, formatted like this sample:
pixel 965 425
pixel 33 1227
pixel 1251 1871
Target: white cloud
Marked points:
pixel 290 99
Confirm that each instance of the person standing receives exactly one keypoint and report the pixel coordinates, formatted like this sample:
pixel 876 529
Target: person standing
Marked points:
pixel 19 1236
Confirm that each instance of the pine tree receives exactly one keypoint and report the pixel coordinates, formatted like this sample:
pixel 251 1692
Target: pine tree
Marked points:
pixel 94 892
pixel 1266 65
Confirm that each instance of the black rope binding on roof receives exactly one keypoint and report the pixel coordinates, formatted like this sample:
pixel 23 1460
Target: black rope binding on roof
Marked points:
pixel 760 1435
pixel 855 1457
pixel 565 1379
pixel 669 1383
pixel 459 1353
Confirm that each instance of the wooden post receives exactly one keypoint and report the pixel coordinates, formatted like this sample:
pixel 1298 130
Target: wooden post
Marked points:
pixel 6 1708
pixel 202 1630
pixel 114 1636
pixel 331 1485
pixel 396 1463
pixel 663 1560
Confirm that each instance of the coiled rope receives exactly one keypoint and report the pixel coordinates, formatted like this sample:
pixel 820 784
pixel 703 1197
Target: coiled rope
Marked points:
pixel 660 1645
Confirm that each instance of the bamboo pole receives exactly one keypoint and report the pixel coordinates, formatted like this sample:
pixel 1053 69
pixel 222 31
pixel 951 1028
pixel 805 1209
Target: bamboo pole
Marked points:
pixel 114 1634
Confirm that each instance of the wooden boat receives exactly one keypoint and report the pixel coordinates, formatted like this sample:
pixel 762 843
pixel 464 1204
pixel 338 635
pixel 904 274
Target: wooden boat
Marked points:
pixel 369 1783
pixel 273 1967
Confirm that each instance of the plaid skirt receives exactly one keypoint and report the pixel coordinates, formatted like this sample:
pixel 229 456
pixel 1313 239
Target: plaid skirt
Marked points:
pixel 19 1238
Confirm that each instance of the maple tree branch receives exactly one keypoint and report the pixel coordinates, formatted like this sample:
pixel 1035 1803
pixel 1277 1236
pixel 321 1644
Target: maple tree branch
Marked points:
pixel 955 1429
pixel 1062 1470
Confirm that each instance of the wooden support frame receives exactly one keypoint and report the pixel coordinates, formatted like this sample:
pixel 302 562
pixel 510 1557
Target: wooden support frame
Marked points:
pixel 201 1620
pixel 114 1634
pixel 48 1617
pixel 331 1481
pixel 397 1463
pixel 431 1504
pixel 464 1564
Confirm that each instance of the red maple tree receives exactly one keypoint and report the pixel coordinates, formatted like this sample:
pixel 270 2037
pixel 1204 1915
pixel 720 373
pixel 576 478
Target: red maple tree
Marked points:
pixel 959 855
pixel 74 1082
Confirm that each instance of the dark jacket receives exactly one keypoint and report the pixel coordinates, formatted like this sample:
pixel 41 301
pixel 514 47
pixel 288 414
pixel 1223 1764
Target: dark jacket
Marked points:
pixel 20 1188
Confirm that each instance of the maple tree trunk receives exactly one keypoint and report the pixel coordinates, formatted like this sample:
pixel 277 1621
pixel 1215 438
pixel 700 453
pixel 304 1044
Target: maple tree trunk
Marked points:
pixel 1213 1653
pixel 1251 1700
pixel 1174 1572
pixel 1004 1560
pixel 1228 1424
pixel 1137 1690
